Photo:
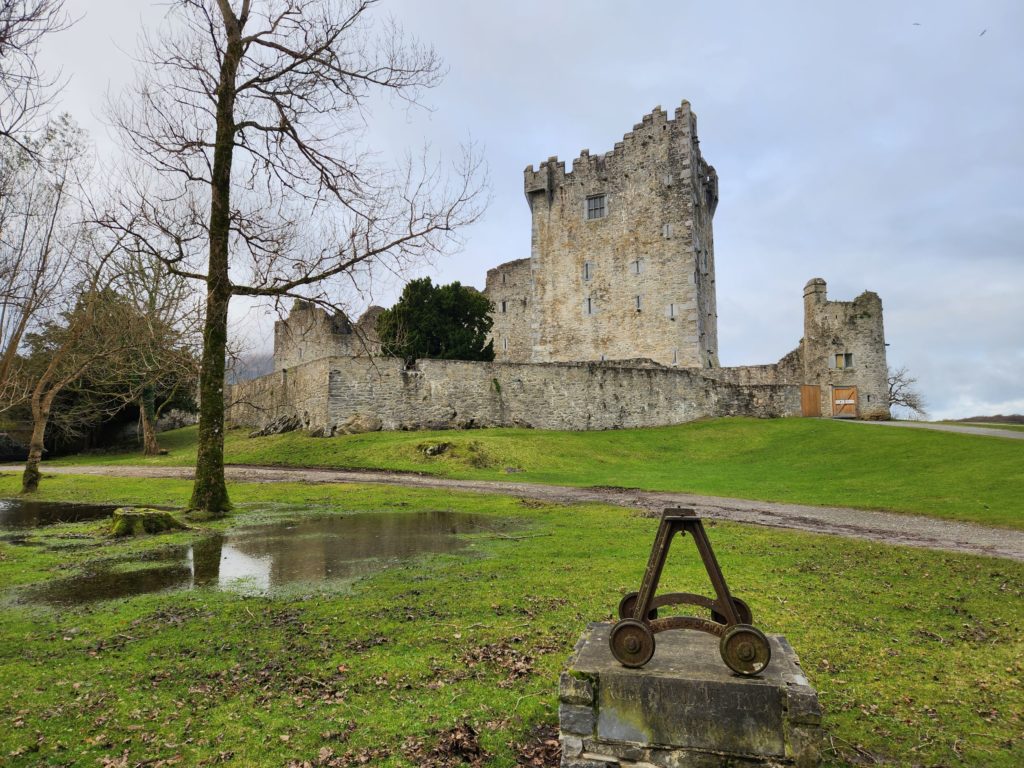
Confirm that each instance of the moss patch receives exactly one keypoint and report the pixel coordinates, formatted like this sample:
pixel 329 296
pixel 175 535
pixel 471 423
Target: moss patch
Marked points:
pixel 138 521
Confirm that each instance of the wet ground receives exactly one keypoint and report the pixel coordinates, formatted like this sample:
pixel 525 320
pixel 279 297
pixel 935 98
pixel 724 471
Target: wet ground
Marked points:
pixel 263 558
pixel 21 513
pixel 872 525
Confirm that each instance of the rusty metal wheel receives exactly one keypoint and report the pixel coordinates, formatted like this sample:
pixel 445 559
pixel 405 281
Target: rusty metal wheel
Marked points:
pixel 745 650
pixel 742 610
pixel 632 643
pixel 628 603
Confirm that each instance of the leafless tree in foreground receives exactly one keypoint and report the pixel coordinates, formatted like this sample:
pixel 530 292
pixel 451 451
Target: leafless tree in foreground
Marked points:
pixel 903 391
pixel 24 90
pixel 251 114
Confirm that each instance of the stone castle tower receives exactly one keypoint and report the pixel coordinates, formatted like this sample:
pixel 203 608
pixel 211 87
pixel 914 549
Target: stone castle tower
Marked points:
pixel 622 261
pixel 843 353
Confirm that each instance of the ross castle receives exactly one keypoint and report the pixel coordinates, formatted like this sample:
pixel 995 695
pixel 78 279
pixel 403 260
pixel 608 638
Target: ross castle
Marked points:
pixel 610 323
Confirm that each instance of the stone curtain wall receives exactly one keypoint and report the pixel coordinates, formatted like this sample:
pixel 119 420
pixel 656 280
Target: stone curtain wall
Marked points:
pixel 456 394
pixel 302 391
pixel 654 242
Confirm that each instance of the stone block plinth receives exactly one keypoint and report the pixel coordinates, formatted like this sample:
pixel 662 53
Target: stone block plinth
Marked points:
pixel 685 708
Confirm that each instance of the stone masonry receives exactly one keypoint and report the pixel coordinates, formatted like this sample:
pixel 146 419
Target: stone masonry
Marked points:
pixel 622 258
pixel 444 394
pixel 610 323
pixel 685 709
pixel 310 333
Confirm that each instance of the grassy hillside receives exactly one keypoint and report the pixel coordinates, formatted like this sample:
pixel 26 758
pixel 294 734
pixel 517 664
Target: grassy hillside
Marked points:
pixel 808 461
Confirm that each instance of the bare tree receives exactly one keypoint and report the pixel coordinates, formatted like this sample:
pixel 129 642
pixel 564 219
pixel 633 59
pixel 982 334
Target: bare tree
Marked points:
pixel 170 319
pixel 253 114
pixel 903 391
pixel 24 90
pixel 39 187
pixel 92 342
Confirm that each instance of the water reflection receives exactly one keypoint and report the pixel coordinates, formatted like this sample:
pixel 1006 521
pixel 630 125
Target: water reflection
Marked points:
pixel 25 513
pixel 262 558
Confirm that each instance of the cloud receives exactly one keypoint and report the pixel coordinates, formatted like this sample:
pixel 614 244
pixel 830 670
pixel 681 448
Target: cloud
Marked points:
pixel 850 144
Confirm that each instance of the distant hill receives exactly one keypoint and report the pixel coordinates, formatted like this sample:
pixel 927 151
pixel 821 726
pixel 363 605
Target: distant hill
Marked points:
pixel 250 366
pixel 1014 418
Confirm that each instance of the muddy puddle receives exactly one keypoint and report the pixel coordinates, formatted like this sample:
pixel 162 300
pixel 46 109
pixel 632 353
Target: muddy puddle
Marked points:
pixel 265 558
pixel 20 513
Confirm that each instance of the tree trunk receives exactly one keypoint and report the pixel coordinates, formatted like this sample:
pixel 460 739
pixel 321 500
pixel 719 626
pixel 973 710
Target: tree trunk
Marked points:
pixel 40 416
pixel 147 417
pixel 210 494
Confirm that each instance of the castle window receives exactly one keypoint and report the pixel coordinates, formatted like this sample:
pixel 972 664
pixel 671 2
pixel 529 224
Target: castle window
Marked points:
pixel 675 357
pixel 504 306
pixel 636 301
pixel 672 311
pixel 595 207
pixel 666 230
pixel 636 266
pixel 588 306
pixel 844 360
pixel 504 344
pixel 588 270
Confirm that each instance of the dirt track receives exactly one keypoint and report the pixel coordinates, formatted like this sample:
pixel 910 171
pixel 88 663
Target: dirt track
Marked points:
pixel 908 530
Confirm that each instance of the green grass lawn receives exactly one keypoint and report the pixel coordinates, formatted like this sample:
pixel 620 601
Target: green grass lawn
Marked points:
pixel 993 425
pixel 917 655
pixel 810 461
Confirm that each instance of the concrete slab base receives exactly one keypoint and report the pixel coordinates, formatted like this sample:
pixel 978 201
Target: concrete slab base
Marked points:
pixel 685 708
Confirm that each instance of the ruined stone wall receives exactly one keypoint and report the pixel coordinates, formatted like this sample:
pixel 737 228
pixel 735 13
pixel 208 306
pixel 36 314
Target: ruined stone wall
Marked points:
pixel 310 333
pixel 789 370
pixel 509 287
pixel 447 393
pixel 638 281
pixel 302 391
pixel 846 327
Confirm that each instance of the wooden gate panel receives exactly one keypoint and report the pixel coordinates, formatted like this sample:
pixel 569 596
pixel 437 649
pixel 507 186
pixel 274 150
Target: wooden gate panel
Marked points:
pixel 844 402
pixel 810 400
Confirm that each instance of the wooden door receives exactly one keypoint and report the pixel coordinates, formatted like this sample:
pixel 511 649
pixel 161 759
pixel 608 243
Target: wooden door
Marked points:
pixel 844 402
pixel 810 400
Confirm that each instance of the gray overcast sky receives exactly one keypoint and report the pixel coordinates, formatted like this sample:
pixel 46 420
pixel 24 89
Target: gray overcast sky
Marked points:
pixel 878 145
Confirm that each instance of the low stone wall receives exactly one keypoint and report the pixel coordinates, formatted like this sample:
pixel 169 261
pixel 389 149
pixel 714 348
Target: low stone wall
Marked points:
pixel 301 391
pixel 441 394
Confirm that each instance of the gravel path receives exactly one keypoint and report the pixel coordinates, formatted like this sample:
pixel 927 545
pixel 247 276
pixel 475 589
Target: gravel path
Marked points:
pixel 964 430
pixel 887 527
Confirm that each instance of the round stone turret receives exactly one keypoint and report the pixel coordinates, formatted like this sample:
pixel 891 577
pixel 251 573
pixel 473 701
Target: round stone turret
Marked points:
pixel 816 290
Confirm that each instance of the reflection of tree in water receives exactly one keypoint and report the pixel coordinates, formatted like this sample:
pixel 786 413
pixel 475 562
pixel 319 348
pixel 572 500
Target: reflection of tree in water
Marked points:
pixel 337 547
pixel 204 559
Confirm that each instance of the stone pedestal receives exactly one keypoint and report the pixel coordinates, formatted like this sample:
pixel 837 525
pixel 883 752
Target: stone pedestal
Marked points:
pixel 685 708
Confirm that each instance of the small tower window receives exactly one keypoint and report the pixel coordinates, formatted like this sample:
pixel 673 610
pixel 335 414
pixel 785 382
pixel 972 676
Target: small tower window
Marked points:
pixel 588 270
pixel 596 207
pixel 666 230
pixel 504 344
pixel 636 266
pixel 588 306
pixel 675 357
pixel 844 360
pixel 504 306
pixel 672 311
pixel 636 302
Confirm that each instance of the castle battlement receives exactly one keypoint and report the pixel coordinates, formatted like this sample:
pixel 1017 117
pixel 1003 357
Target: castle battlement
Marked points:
pixel 656 125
